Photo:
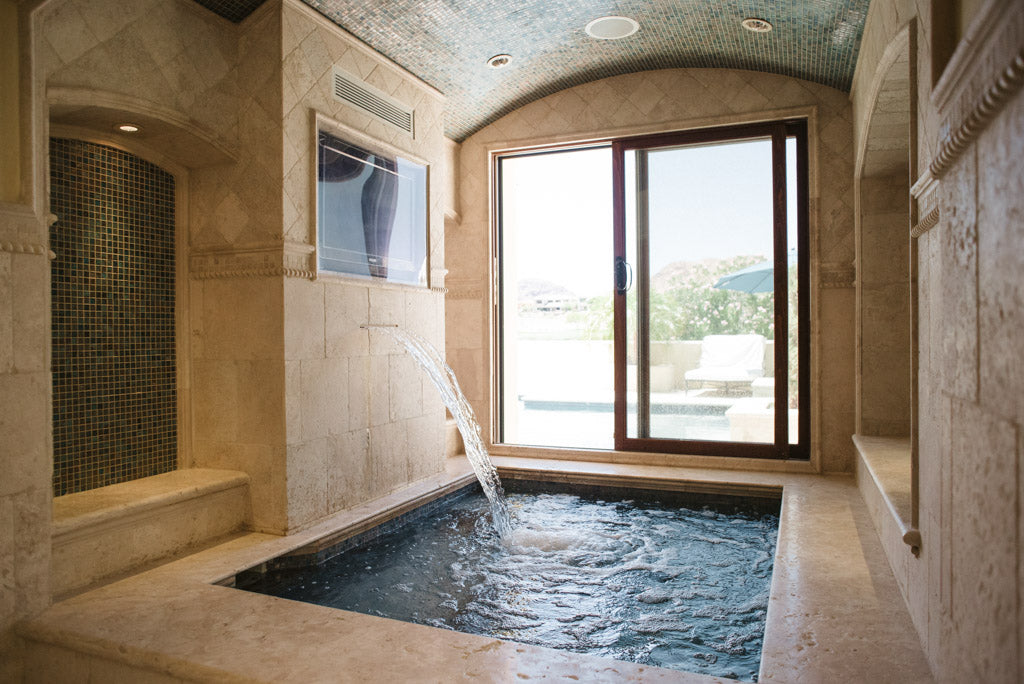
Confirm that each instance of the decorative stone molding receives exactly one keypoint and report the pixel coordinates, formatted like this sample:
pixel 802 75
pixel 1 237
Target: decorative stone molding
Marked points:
pixel 985 71
pixel 925 191
pixel 290 260
pixel 927 223
pixel 836 276
pixel 27 248
pixel 255 273
pixel 988 105
pixel 299 260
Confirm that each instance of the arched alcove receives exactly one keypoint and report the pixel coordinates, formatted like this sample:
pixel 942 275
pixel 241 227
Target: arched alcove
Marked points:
pixel 119 305
pixel 883 259
pixel 885 292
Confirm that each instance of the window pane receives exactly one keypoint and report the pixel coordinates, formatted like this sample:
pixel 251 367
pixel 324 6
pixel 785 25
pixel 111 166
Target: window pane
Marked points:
pixel 556 304
pixel 371 213
pixel 709 307
pixel 793 319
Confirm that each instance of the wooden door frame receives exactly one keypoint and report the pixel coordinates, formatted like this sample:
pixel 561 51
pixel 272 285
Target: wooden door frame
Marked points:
pixel 778 132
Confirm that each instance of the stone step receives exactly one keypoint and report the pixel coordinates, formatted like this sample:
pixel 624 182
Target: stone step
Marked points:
pixel 105 533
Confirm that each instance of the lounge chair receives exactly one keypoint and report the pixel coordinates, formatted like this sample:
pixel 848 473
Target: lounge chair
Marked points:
pixel 729 361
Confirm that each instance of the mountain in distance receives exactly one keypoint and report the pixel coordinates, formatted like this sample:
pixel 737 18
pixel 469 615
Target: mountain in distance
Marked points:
pixel 665 279
pixel 679 271
pixel 531 288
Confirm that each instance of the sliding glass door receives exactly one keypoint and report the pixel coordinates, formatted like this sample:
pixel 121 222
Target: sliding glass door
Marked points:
pixel 555 305
pixel 709 229
pixel 652 294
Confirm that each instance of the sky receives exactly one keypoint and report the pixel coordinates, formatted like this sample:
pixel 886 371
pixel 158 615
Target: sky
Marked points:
pixel 711 201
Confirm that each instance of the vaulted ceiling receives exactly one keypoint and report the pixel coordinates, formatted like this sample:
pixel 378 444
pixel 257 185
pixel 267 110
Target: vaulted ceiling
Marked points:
pixel 447 43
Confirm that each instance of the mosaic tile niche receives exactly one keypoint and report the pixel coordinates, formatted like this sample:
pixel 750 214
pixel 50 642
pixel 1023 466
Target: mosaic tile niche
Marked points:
pixel 112 284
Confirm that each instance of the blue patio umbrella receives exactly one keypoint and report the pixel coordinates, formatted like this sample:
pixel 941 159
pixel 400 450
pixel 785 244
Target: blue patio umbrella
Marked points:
pixel 753 279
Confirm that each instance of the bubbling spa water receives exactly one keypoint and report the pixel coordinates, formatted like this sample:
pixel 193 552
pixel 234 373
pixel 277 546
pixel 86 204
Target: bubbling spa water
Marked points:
pixel 637 580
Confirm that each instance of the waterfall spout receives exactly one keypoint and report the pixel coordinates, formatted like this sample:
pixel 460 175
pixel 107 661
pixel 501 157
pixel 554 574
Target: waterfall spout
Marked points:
pixel 443 378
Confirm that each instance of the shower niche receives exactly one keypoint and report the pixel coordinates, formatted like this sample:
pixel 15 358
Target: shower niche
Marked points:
pixel 115 404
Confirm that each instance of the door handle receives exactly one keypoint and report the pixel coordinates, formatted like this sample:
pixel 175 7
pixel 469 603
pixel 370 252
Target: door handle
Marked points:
pixel 623 276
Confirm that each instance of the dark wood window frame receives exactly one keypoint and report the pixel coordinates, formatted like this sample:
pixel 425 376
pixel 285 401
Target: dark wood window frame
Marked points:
pixel 779 132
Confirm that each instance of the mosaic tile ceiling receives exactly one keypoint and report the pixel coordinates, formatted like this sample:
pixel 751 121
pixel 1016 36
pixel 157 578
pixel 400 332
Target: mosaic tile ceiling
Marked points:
pixel 447 43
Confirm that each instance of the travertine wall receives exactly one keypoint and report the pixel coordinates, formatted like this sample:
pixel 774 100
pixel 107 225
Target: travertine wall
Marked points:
pixel 964 589
pixel 25 427
pixel 236 290
pixel 671 100
pixel 25 417
pixel 883 282
pixel 231 109
pixel 146 51
pixel 223 84
pixel 362 419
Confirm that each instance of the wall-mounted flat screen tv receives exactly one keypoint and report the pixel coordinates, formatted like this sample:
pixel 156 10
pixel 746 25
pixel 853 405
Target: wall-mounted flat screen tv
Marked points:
pixel 371 213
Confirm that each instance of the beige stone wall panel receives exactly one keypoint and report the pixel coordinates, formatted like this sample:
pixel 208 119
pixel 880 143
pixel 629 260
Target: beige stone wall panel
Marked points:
pixel 984 572
pixel 24 567
pixel 1001 264
pixel 348 468
pixel 346 307
pixel 884 297
pixel 958 310
pixel 30 312
pixel 307 481
pixel 26 459
pixel 837 378
pixel 963 592
pixel 355 390
pixel 388 457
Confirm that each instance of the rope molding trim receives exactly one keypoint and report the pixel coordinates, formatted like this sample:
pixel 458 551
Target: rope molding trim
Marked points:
pixel 985 109
pixel 254 273
pixel 27 248
pixel 930 220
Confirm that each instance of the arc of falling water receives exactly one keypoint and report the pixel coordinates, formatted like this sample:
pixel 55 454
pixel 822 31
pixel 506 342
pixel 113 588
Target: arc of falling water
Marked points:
pixel 443 378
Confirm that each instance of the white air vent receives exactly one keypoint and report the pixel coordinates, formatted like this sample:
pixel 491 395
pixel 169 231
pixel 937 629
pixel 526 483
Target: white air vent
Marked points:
pixel 349 89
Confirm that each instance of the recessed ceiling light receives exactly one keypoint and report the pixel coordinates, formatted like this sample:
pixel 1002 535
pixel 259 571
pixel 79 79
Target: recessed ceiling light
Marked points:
pixel 127 128
pixel 756 25
pixel 611 28
pixel 499 61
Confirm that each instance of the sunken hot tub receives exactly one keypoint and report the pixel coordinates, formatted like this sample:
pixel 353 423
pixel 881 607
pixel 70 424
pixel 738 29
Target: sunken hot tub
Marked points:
pixel 669 579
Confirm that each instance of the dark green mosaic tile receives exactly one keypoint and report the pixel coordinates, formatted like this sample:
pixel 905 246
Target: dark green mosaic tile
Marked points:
pixel 232 10
pixel 112 287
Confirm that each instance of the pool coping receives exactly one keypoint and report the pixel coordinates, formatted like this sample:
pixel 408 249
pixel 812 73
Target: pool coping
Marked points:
pixel 835 611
